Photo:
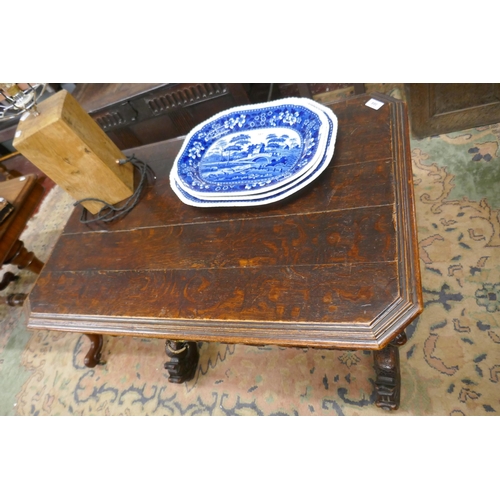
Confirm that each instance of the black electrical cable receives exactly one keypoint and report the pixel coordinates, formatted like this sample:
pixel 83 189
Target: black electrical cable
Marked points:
pixel 112 212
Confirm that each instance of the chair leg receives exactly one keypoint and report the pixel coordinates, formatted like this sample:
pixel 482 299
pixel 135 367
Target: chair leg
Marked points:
pixel 16 299
pixel 8 277
pixel 24 259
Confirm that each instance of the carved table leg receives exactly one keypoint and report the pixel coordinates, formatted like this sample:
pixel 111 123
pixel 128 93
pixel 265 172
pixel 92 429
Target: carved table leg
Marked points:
pixel 400 339
pixel 23 259
pixel 183 362
pixel 388 383
pixel 94 354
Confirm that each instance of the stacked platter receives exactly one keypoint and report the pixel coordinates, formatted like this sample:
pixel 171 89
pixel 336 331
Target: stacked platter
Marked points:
pixel 254 154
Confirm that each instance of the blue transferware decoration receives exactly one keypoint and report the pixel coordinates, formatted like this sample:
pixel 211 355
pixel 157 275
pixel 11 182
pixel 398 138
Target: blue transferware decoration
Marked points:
pixel 305 177
pixel 251 149
pixel 275 195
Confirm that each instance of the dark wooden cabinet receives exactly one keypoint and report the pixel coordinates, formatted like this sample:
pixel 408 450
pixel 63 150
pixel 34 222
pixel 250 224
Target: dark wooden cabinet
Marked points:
pixel 440 108
pixel 135 114
pixel 311 89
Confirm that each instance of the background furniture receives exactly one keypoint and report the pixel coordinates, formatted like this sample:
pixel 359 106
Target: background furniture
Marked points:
pixel 334 266
pixel 10 115
pixel 439 108
pixel 311 89
pixel 137 114
pixel 134 114
pixel 24 193
pixel 5 173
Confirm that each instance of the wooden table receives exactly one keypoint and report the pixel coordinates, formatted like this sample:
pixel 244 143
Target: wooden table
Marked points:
pixel 24 193
pixel 335 266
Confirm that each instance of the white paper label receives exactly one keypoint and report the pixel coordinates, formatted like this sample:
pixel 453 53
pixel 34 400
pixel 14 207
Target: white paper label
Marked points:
pixel 373 103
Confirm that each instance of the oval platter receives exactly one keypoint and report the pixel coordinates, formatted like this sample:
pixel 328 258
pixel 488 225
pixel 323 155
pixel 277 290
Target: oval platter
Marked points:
pixel 251 149
pixel 275 195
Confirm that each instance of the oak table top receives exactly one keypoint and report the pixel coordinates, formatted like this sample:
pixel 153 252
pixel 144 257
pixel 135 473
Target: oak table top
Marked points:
pixel 333 266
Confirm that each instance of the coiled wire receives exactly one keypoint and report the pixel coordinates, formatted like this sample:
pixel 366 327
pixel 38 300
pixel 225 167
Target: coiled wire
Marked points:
pixel 110 212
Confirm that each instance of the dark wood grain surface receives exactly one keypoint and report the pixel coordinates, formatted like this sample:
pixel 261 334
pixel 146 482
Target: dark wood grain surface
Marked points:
pixel 333 266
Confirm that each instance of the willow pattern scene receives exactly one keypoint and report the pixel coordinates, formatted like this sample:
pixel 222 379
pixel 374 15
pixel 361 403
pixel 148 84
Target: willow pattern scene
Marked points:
pixel 252 148
pixel 254 156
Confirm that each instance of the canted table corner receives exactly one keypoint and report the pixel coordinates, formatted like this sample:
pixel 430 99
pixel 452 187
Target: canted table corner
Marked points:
pixel 335 266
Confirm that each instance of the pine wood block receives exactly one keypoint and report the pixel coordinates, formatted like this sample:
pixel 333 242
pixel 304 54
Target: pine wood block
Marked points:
pixel 69 147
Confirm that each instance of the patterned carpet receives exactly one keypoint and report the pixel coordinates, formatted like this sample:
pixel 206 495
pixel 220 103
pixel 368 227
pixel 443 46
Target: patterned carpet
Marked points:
pixel 450 364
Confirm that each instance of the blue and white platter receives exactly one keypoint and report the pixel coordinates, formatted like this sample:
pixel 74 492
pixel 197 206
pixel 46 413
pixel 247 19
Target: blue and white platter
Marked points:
pixel 255 154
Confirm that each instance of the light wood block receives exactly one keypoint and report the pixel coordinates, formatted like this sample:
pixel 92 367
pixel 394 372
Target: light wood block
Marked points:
pixel 69 147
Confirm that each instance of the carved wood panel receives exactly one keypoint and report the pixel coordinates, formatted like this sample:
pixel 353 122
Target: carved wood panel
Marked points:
pixel 162 102
pixel 118 117
pixel 439 108
pixel 138 114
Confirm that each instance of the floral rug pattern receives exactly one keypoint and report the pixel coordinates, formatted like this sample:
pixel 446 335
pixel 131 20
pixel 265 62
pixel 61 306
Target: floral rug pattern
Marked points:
pixel 450 364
